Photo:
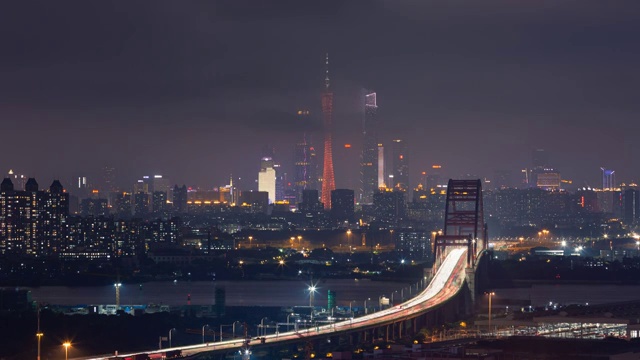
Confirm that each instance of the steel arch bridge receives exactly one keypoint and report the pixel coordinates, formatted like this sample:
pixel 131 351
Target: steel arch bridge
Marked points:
pixel 464 224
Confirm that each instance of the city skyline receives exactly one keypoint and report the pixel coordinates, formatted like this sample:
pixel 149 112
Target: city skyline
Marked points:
pixel 119 97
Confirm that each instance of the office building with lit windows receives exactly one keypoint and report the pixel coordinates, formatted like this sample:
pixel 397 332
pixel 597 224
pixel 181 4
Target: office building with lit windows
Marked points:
pixel 267 178
pixel 369 159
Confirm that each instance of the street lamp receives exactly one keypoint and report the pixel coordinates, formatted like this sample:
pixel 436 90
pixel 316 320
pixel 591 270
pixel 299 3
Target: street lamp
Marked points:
pixel 263 332
pixel 365 306
pixel 299 240
pixel 350 309
pixel 250 238
pixel 490 296
pixel 39 334
pixel 206 327
pixel 170 331
pixel 312 289
pixel 233 328
pixel 117 286
pixel 66 345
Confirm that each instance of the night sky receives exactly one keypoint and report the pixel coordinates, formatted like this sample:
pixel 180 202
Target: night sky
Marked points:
pixel 194 90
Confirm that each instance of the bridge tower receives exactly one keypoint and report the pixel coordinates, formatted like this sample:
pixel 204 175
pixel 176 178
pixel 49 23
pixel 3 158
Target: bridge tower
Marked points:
pixel 464 226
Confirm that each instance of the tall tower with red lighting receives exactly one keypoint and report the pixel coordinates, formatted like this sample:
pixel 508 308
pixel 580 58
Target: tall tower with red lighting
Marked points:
pixel 328 178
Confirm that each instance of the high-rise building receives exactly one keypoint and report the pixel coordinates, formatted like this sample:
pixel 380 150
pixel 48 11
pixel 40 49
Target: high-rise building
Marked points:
pixel 267 178
pixel 381 177
pixel 180 199
pixel 141 204
pixel 159 203
pixel 434 177
pixel 328 178
pixel 548 179
pixel 18 180
pixel 631 210
pixel 55 206
pixel 608 179
pixel 281 182
pixel 122 204
pixel 109 179
pixel 413 244
pixel 31 221
pixel 94 207
pixel 342 204
pixel 305 162
pixel 257 201
pixel 400 165
pixel 369 166
pixel 389 206
pixel 539 162
pixel 310 201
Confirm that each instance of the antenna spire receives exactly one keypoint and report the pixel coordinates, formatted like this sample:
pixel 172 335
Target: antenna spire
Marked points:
pixel 326 69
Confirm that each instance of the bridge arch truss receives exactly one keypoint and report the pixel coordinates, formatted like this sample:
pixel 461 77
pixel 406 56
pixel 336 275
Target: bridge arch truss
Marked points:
pixel 464 224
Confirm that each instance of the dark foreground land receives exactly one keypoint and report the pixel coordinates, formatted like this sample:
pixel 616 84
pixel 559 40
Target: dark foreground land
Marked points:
pixel 102 334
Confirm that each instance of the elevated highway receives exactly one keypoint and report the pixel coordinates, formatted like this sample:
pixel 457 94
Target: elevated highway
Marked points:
pixel 446 284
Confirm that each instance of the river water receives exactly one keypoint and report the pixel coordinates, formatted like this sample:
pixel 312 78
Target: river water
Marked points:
pixel 293 293
pixel 238 293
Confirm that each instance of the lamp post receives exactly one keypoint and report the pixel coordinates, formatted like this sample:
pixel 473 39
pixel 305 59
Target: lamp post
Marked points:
pixel 262 332
pixel 170 331
pixel 250 238
pixel 288 316
pixel 205 327
pixel 349 238
pixel 350 309
pixel 66 345
pixel 39 334
pixel 366 311
pixel 233 328
pixel 312 290
pixel 117 286
pixel 490 296
pixel 299 240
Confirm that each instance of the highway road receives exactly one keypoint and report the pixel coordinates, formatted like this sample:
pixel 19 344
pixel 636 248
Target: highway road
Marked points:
pixel 444 285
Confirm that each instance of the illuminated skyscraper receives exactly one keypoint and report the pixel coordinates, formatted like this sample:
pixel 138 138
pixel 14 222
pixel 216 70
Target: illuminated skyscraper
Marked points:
pixel 32 221
pixel 369 182
pixel 328 178
pixel 400 165
pixel 381 177
pixel 608 179
pixel 305 162
pixel 267 179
